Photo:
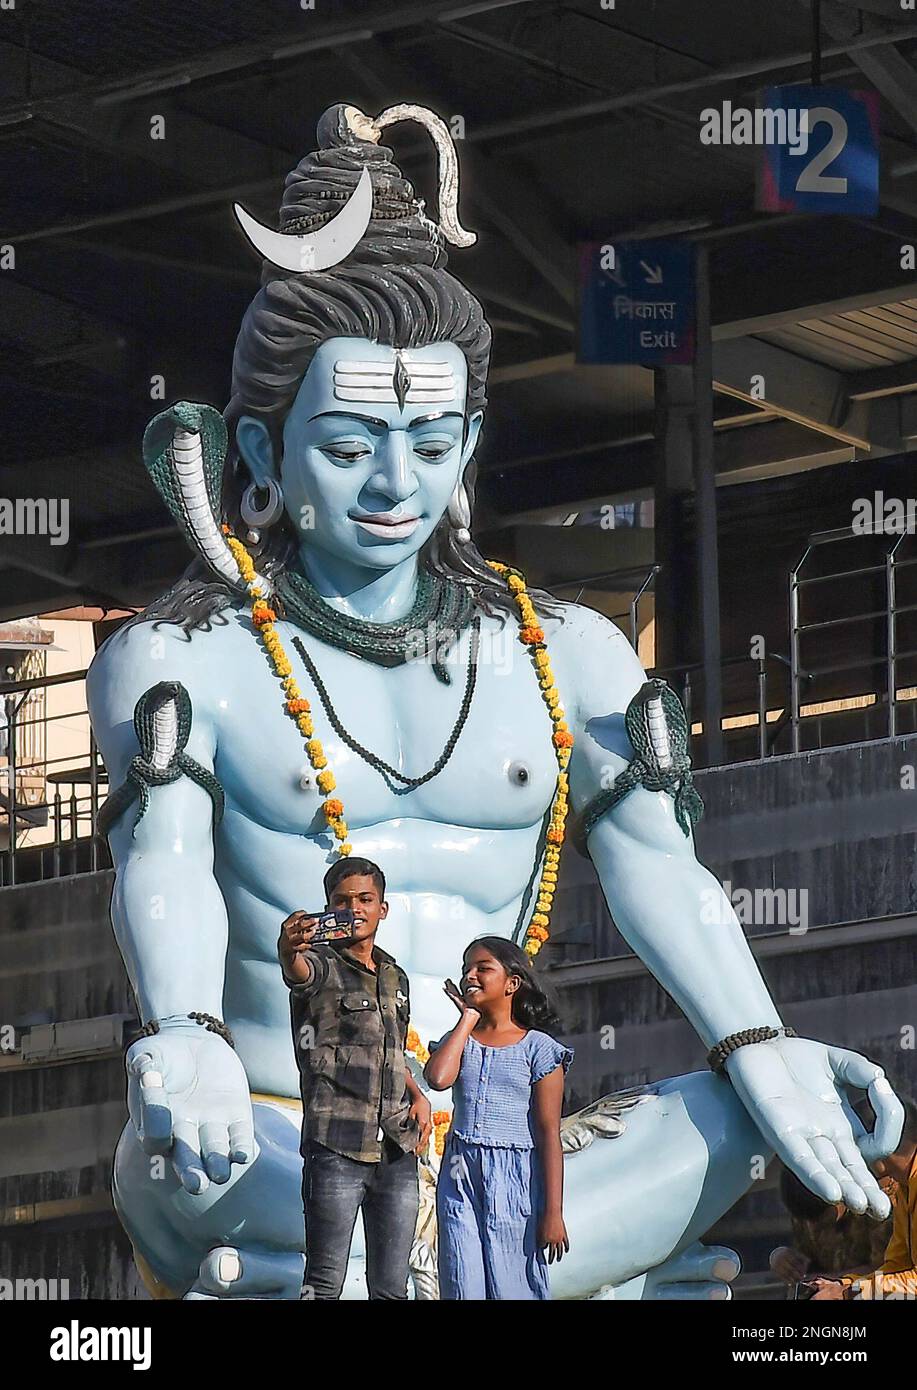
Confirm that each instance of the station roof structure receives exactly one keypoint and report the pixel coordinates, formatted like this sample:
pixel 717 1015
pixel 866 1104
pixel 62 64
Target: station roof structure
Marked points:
pixel 580 122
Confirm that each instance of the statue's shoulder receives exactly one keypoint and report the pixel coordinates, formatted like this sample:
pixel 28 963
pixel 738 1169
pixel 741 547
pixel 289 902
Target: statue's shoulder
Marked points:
pixel 149 650
pixel 592 659
pixel 587 635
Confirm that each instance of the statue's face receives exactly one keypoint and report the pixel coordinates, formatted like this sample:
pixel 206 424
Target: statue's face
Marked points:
pixel 373 446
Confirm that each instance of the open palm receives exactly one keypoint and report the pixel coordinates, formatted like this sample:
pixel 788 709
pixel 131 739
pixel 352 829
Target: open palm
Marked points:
pixel 796 1091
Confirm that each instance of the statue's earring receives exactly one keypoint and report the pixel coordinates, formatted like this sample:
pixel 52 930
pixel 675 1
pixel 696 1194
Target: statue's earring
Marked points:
pixel 268 514
pixel 459 513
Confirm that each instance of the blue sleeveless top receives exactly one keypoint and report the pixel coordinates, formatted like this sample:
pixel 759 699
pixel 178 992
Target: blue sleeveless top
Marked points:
pixel 492 1093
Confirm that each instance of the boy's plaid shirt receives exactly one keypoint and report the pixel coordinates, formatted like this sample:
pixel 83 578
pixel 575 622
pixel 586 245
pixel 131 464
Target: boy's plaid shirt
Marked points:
pixel 349 1030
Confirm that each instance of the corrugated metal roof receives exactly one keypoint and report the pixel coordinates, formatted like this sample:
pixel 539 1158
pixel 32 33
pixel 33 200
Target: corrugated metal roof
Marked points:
pixel 870 337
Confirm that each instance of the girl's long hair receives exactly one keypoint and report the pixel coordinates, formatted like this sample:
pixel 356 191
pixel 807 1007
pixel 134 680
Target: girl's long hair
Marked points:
pixel 532 1005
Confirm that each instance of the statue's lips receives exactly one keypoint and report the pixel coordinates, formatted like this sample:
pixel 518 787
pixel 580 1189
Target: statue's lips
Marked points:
pixel 387 524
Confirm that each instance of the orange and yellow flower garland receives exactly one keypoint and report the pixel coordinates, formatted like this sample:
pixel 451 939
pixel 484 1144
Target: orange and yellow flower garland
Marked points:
pixel 298 708
pixel 532 635
pixel 442 1119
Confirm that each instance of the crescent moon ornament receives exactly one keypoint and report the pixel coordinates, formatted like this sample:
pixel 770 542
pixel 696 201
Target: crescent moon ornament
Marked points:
pixel 313 250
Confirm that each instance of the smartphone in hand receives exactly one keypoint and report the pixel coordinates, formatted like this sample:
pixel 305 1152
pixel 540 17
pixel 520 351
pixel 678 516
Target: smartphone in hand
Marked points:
pixel 332 924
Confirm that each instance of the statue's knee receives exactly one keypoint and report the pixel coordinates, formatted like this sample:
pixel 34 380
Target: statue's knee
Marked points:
pixel 221 1268
pixel 227 1271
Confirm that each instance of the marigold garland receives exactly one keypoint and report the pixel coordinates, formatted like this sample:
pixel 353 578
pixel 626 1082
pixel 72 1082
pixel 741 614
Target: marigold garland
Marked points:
pixel 531 634
pixel 441 1118
pixel 296 706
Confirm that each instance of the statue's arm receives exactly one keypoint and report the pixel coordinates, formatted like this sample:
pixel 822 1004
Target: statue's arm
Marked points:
pixel 669 908
pixel 676 917
pixel 167 910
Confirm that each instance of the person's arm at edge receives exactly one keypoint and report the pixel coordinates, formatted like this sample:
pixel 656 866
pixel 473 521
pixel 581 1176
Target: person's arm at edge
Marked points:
pixel 421 1111
pixel 548 1097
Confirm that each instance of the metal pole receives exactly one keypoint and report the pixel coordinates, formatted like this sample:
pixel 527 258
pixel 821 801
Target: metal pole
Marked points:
pixel 891 656
pixel 762 707
pixel 12 712
pixel 635 603
pixel 93 804
pixel 74 830
pixel 794 652
pixel 706 540
pixel 58 831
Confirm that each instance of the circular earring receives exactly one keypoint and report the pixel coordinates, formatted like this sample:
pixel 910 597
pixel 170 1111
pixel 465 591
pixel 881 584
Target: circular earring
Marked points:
pixel 267 514
pixel 459 513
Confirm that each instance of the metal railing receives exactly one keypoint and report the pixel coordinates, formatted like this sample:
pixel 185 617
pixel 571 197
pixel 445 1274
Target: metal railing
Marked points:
pixel 73 784
pixel 887 662
pixel 617 580
pixel 682 679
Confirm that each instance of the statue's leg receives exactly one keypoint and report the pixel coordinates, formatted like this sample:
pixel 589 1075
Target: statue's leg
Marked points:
pixel 242 1238
pixel 634 1201
pixel 631 1203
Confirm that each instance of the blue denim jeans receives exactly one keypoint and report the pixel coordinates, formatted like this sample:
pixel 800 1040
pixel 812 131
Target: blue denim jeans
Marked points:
pixel 334 1189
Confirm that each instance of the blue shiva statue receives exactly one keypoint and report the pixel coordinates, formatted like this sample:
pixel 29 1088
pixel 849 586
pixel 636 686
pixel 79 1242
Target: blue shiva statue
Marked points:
pixel 339 632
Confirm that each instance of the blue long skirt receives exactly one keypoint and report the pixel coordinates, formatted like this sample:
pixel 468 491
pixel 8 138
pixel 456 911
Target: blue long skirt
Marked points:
pixel 488 1203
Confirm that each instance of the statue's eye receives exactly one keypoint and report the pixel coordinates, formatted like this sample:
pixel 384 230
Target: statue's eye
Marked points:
pixel 428 450
pixel 519 773
pixel 347 453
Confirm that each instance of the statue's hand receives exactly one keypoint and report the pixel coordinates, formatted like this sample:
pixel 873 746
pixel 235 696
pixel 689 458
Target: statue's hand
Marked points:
pixel 796 1092
pixel 188 1097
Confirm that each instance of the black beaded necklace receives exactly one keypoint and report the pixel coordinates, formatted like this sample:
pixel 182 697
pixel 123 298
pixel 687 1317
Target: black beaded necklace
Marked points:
pixel 373 759
pixel 441 607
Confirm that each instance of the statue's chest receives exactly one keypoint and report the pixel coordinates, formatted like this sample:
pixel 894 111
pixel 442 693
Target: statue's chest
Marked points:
pixel 489 747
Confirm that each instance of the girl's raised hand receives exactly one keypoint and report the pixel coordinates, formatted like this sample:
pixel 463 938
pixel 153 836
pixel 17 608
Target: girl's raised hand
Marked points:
pixel 553 1238
pixel 452 991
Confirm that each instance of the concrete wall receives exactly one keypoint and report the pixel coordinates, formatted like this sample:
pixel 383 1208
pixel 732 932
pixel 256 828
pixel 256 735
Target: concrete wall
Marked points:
pixel 59 1123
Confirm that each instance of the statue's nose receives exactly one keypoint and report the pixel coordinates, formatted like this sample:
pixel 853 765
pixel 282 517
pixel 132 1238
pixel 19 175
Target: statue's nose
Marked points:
pixel 395 478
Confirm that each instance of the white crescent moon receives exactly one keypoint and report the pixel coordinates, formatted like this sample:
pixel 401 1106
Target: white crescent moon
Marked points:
pixel 314 250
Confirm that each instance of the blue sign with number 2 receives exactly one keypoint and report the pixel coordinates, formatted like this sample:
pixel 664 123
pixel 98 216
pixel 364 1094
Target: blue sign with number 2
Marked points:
pixel 839 170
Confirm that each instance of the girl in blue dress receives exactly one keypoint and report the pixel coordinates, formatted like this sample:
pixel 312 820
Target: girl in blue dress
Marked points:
pixel 500 1192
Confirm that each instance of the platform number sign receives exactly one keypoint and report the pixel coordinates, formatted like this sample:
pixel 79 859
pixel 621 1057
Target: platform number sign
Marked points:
pixel 838 170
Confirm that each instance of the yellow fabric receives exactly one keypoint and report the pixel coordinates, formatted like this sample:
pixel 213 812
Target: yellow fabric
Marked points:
pixel 293 1102
pixel 897 1276
pixel 154 1287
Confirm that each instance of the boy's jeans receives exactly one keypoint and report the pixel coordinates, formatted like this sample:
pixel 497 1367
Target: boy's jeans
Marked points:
pixel 334 1189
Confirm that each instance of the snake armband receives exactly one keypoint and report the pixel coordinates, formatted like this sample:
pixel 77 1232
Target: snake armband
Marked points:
pixel 657 728
pixel 162 723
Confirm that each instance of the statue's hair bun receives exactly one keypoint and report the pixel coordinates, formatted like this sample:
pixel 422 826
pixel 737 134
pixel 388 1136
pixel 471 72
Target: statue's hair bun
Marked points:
pixel 398 232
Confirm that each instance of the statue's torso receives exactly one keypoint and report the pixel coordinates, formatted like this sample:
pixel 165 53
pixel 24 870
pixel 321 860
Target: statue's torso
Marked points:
pixel 459 852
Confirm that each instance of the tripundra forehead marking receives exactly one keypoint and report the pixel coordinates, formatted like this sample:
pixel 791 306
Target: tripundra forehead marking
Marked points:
pixel 394 381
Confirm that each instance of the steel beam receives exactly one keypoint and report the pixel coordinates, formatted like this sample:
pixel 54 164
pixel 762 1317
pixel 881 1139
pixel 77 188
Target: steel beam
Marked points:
pixel 791 386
